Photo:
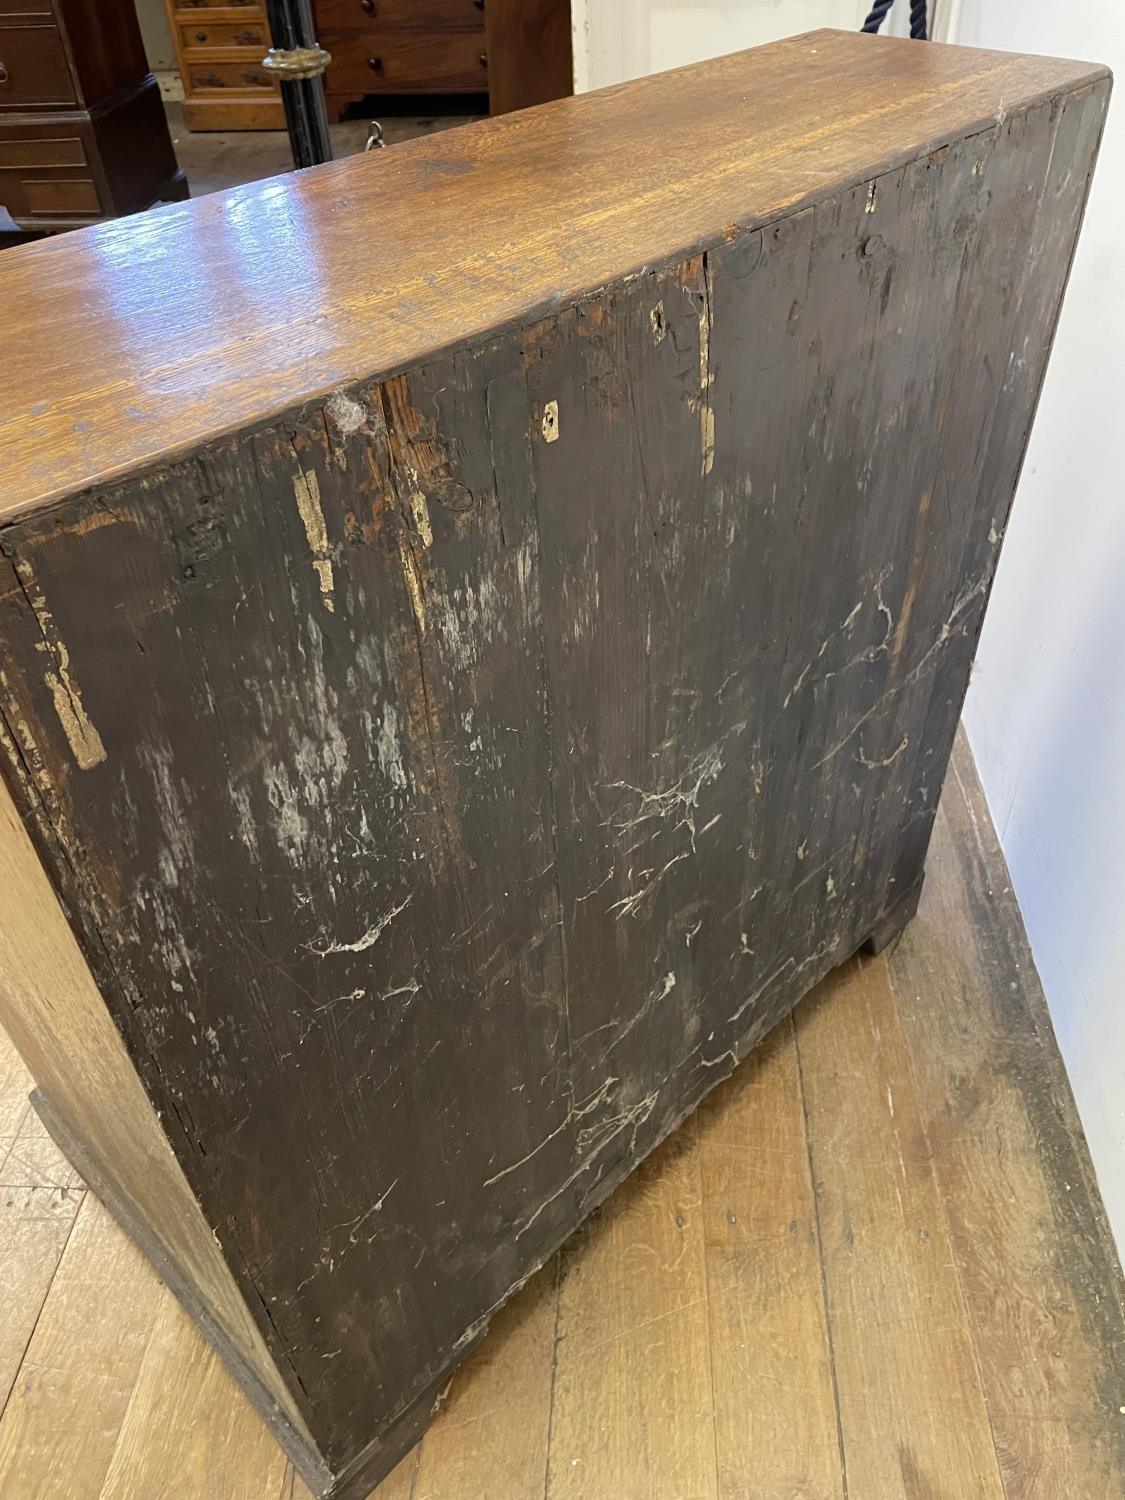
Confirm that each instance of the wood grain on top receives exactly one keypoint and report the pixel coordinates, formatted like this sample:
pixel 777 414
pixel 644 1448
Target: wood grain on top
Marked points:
pixel 128 343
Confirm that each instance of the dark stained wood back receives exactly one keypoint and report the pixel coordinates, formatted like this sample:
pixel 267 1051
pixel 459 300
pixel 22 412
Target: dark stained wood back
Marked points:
pixel 483 628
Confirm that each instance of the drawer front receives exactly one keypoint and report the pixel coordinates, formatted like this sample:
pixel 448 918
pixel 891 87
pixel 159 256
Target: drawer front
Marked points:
pixel 399 15
pixel 46 171
pixel 32 151
pixel 405 62
pixel 185 9
pixel 251 32
pixel 25 8
pixel 33 67
pixel 61 197
pixel 211 76
pixel 29 195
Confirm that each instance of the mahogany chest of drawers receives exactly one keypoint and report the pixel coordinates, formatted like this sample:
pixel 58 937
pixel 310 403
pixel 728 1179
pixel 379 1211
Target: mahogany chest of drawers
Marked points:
pixel 82 129
pixel 401 47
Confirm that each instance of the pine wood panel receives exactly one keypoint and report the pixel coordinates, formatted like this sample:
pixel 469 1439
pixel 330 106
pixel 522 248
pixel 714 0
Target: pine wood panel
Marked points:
pixel 117 1396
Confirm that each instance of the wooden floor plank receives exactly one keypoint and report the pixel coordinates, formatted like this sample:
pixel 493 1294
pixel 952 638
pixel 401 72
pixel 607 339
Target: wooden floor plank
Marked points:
pixel 912 1410
pixel 187 1431
pixel 34 1225
pixel 632 1409
pixel 768 1330
pixel 61 1423
pixel 1034 1253
pixel 35 1161
pixel 15 1085
pixel 490 1438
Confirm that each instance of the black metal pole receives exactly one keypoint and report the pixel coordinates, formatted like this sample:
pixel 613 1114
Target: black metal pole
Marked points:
pixel 297 59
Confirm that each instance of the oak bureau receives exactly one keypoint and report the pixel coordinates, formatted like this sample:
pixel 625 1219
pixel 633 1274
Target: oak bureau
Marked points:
pixel 483 627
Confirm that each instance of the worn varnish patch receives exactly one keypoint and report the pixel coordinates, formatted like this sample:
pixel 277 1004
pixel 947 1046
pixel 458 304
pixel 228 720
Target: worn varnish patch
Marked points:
pixel 84 740
pixel 306 491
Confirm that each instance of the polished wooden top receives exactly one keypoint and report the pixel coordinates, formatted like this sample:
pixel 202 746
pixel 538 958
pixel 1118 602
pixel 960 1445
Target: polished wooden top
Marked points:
pixel 134 341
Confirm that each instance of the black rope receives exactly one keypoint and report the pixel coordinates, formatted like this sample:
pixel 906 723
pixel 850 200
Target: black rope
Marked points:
pixel 878 14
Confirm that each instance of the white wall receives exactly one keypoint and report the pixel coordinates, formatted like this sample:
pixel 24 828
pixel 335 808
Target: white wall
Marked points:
pixel 157 35
pixel 618 39
pixel 1046 711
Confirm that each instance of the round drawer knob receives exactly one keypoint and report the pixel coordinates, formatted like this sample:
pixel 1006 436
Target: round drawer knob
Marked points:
pixel 4 75
pixel 375 64
pixel 368 6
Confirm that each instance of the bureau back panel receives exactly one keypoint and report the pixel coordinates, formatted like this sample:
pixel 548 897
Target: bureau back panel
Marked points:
pixel 451 778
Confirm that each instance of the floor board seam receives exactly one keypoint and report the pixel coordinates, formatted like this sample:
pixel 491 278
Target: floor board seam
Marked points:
pixel 966 1310
pixel 415 1468
pixel 50 1288
pixel 707 1300
pixel 551 1386
pixel 820 1258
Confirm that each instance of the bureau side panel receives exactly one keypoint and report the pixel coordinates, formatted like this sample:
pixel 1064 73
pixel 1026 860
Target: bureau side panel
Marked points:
pixel 52 1009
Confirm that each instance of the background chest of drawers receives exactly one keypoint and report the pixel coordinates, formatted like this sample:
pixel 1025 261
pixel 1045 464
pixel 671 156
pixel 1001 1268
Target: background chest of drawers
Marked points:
pixel 82 128
pixel 220 45
pixel 377 47
pixel 495 54
pixel 401 47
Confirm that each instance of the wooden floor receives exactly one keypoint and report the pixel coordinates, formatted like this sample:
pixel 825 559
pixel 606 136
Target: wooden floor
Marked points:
pixel 873 1265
